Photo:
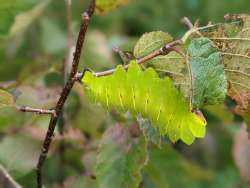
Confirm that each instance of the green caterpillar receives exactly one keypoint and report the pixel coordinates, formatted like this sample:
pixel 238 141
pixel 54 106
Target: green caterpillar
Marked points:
pixel 144 93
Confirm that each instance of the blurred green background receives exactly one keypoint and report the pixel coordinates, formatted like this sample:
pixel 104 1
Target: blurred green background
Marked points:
pixel 33 44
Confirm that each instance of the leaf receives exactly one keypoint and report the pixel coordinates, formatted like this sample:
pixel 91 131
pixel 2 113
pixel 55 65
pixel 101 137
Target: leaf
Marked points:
pixel 120 159
pixel 97 46
pixel 233 41
pixel 81 182
pixel 150 133
pixel 166 169
pixel 9 10
pixel 150 42
pixel 24 19
pixel 20 154
pixel 173 65
pixel 209 84
pixel 220 111
pixel 15 38
pixel 241 152
pixel 104 6
pixel 53 39
pixel 144 93
pixel 6 99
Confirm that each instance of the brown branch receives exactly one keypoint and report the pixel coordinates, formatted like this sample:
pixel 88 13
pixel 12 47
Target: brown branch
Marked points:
pixel 35 110
pixel 6 180
pixel 65 91
pixel 162 51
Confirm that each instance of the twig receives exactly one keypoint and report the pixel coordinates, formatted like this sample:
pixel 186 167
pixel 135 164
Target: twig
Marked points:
pixel 162 51
pixel 65 91
pixel 35 110
pixel 6 180
pixel 70 45
pixel 186 21
pixel 192 29
pixel 67 66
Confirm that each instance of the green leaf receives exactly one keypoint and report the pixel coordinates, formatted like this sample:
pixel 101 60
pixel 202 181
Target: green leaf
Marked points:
pixel 6 99
pixel 103 6
pixel 9 10
pixel 208 79
pixel 166 169
pixel 144 93
pixel 53 39
pixel 120 159
pixel 97 46
pixel 25 19
pixel 150 42
pixel 83 182
pixel 20 154
pixel 150 133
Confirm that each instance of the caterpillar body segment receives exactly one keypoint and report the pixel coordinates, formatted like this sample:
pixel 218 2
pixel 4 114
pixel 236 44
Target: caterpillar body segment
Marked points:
pixel 144 93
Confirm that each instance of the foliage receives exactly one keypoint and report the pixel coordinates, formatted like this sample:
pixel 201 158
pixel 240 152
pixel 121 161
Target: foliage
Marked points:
pixel 117 149
pixel 120 159
pixel 103 6
pixel 208 79
pixel 150 42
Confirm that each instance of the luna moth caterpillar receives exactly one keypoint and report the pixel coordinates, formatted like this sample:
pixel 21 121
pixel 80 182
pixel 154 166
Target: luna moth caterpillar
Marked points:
pixel 144 93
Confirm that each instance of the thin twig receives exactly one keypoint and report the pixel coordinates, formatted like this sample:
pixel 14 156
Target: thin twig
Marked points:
pixel 162 51
pixel 65 91
pixel 6 180
pixel 70 43
pixel 35 110
pixel 67 66
pixel 228 38
pixel 187 22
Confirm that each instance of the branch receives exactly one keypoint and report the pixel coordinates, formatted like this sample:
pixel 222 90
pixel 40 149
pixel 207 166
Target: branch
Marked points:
pixel 187 22
pixel 35 110
pixel 67 66
pixel 162 51
pixel 192 29
pixel 65 91
pixel 6 180
pixel 70 45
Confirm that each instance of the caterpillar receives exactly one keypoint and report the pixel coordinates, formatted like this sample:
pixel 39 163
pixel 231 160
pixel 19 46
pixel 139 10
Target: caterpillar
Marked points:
pixel 144 93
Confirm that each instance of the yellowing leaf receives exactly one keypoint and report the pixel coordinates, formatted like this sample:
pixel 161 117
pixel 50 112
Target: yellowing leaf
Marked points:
pixel 233 41
pixel 150 42
pixel 103 6
pixel 144 93
pixel 6 99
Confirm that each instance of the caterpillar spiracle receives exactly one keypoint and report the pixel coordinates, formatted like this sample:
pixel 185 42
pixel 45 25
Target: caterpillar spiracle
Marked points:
pixel 144 93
